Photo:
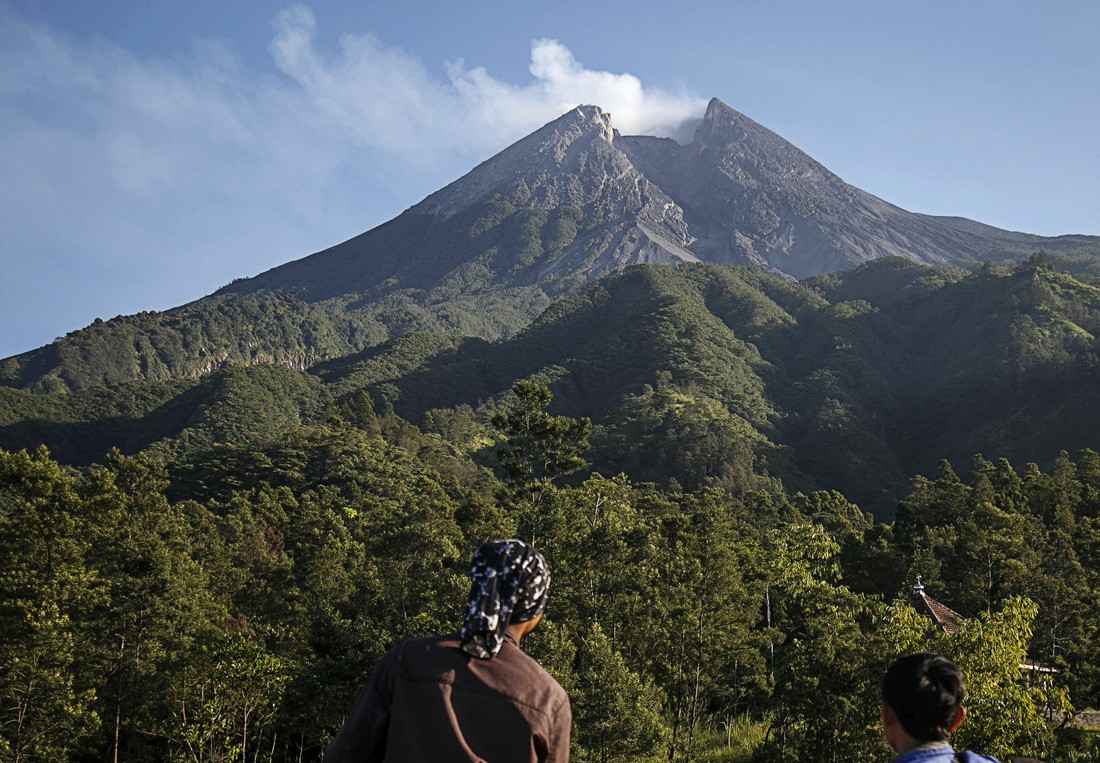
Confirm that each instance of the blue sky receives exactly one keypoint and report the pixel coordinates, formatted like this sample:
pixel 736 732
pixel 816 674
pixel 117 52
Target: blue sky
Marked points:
pixel 151 152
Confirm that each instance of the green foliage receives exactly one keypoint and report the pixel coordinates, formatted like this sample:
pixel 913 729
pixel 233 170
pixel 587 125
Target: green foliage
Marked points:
pixel 172 418
pixel 232 704
pixel 186 342
pixel 538 447
pixel 1003 714
pixel 47 590
pixel 987 544
pixel 617 712
pixel 231 605
pixel 687 438
pixel 850 382
pixel 754 379
pixel 220 584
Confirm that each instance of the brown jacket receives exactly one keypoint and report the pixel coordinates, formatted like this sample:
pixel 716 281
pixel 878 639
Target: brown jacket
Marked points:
pixel 427 700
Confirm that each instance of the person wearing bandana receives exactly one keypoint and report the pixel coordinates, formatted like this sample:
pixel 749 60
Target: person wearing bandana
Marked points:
pixel 471 696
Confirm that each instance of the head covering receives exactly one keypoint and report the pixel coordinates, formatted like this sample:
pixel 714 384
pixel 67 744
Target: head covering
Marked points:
pixel 509 584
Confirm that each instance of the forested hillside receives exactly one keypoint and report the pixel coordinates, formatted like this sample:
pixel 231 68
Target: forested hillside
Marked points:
pixel 205 569
pixel 485 255
pixel 695 375
pixel 227 604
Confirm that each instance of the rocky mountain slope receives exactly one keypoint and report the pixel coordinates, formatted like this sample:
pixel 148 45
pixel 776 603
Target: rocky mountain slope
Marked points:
pixel 488 253
pixel 738 194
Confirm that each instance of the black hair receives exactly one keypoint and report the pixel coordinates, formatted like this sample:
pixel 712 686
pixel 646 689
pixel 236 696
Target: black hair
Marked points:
pixel 925 691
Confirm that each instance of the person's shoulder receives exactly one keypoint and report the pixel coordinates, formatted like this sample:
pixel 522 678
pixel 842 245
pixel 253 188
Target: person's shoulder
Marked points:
pixel 969 756
pixel 431 642
pixel 539 680
pixel 424 645
pixel 940 752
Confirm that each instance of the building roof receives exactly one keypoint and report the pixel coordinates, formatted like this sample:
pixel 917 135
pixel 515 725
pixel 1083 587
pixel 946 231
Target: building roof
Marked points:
pixel 941 615
pixel 948 620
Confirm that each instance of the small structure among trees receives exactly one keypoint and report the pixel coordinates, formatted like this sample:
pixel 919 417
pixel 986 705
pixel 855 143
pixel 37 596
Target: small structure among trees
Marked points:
pixel 943 617
pixel 947 621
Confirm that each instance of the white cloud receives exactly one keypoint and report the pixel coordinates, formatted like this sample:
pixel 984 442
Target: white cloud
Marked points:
pixel 389 101
pixel 168 177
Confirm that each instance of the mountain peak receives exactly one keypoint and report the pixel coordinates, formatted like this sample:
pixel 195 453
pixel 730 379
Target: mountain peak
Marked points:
pixel 716 107
pixel 583 120
pixel 556 150
pixel 556 209
pixel 589 112
pixel 723 125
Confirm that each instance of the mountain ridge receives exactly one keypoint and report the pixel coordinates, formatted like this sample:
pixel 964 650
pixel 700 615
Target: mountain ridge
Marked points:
pixel 852 381
pixel 486 254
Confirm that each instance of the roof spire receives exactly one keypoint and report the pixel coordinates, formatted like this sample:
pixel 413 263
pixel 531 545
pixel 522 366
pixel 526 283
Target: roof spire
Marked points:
pixel 918 588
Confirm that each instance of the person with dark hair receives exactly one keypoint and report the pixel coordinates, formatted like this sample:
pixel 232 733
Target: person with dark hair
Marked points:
pixel 922 697
pixel 470 696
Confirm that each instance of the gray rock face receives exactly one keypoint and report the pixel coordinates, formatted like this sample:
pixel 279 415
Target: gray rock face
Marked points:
pixel 737 194
pixel 751 197
pixel 578 160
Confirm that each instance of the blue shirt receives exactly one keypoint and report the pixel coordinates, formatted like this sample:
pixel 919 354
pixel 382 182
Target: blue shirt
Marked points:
pixel 940 752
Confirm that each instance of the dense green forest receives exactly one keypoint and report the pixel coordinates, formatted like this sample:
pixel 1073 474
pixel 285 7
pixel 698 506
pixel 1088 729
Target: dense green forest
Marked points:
pixel 718 465
pixel 852 381
pixel 227 604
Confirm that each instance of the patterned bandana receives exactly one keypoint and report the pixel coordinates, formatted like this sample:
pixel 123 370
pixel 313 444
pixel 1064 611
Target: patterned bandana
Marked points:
pixel 510 581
